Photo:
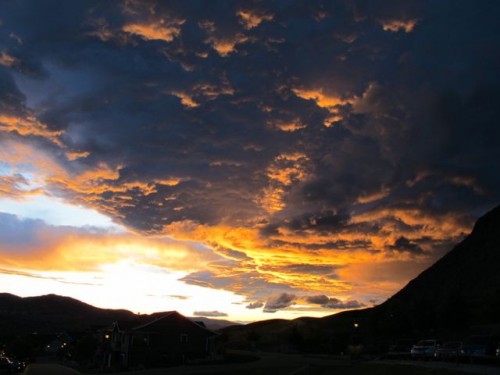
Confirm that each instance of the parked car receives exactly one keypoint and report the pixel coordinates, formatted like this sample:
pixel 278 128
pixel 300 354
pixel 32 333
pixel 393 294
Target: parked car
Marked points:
pixel 401 350
pixel 425 349
pixel 450 350
pixel 479 348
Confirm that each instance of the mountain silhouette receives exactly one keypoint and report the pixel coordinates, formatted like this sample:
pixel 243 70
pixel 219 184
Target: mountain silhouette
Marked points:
pixel 52 313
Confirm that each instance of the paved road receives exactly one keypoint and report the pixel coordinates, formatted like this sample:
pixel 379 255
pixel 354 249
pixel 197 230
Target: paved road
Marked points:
pixel 274 363
pixel 267 363
pixel 48 369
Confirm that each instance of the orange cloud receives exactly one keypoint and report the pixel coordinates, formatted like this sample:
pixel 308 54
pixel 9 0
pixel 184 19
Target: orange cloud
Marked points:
pixel 82 183
pixel 7 60
pixel 55 251
pixel 28 126
pixel 271 199
pixel 438 228
pixel 186 99
pixel 332 119
pixel 74 155
pixel 351 251
pixel 373 197
pixel 16 186
pixel 288 126
pixel 285 170
pixel 191 98
pixel 396 25
pixel 276 265
pixel 211 91
pixel 288 168
pixel 172 181
pixel 155 30
pixel 322 100
pixel 226 45
pixel 250 19
pixel 327 101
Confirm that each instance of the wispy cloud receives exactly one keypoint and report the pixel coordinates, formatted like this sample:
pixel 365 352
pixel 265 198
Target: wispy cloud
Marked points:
pixel 212 314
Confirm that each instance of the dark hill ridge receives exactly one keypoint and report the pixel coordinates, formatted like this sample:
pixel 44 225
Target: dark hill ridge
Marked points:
pixel 52 313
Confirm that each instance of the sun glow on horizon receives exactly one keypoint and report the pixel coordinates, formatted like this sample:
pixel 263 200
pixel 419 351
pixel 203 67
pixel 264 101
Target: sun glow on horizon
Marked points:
pixel 138 288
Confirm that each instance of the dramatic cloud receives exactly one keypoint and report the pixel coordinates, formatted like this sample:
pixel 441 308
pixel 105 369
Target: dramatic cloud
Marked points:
pixel 255 305
pixel 154 31
pixel 318 300
pixel 281 148
pixel 398 25
pixel 404 244
pixel 278 302
pixel 35 245
pixel 334 303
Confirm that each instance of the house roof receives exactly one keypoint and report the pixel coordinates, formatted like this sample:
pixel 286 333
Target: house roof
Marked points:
pixel 172 320
pixel 154 320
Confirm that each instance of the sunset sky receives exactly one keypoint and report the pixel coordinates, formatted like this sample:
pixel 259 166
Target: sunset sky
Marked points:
pixel 245 160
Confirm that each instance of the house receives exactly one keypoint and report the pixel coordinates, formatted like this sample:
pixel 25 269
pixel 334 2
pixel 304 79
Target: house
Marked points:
pixel 162 340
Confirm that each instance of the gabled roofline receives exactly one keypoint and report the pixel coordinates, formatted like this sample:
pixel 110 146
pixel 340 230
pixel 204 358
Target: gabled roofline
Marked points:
pixel 170 313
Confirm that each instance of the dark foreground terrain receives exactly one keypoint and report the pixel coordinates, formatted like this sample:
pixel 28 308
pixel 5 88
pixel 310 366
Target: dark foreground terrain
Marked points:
pixel 282 364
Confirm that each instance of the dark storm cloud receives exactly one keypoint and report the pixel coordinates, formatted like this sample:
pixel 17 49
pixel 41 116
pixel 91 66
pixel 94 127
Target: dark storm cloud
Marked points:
pixel 322 222
pixel 11 98
pixel 332 245
pixel 295 118
pixel 334 303
pixel 255 305
pixel 278 302
pixel 404 244
pixel 318 300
